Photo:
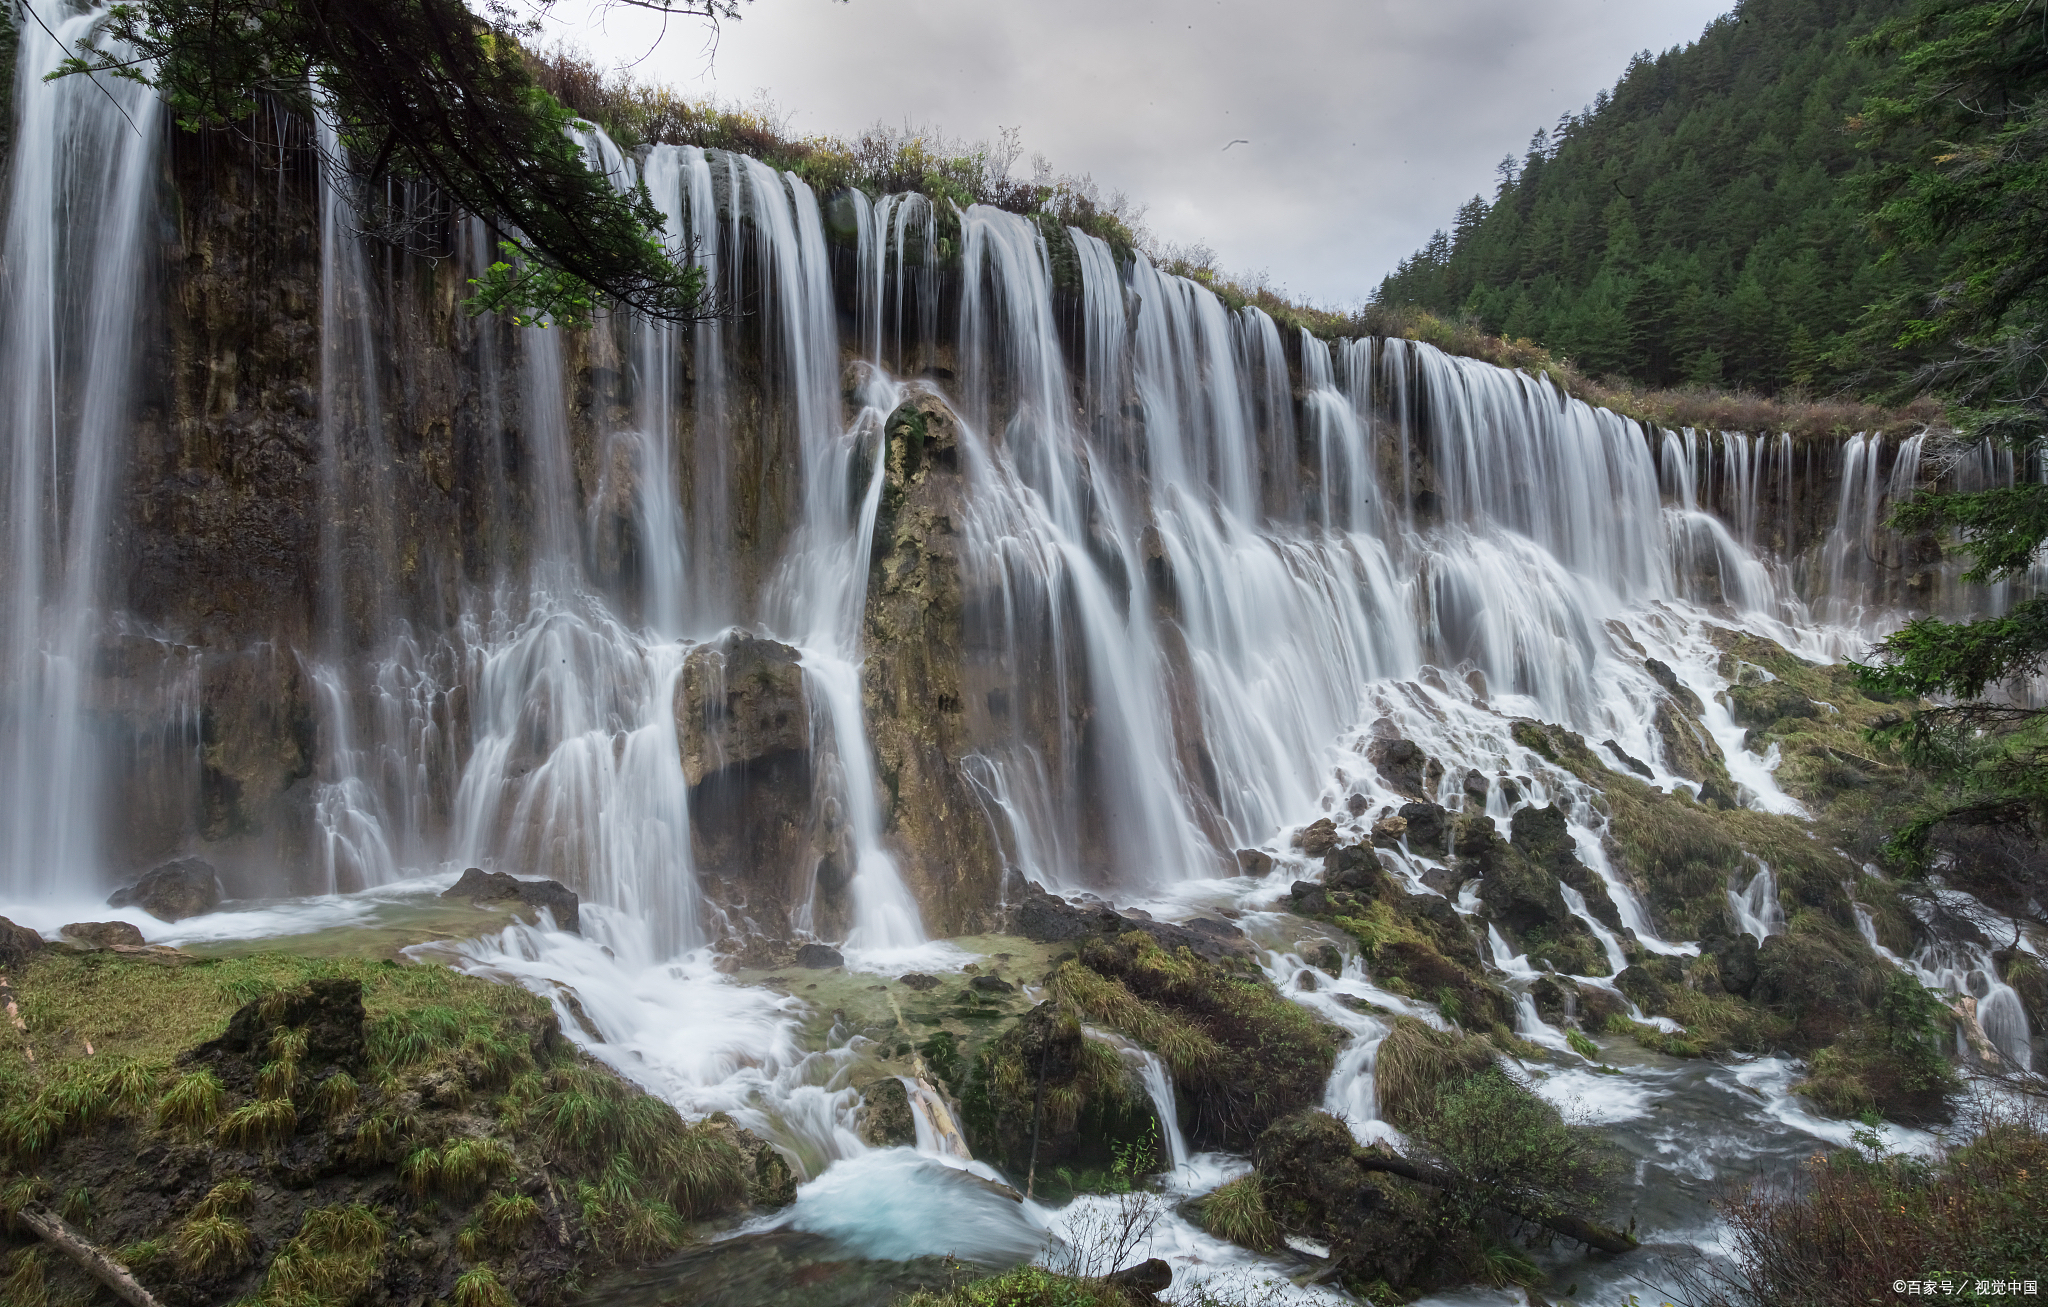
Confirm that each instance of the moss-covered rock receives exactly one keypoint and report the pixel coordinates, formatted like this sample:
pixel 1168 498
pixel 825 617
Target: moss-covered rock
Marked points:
pixel 1241 1054
pixel 1380 1229
pixel 1820 980
pixel 1523 898
pixel 253 1127
pixel 885 1119
pixel 1892 1062
pixel 916 681
pixel 1044 1080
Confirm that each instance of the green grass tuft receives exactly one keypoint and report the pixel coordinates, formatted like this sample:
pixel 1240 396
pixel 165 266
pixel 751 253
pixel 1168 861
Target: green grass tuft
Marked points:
pixel 1237 1211
pixel 336 1096
pixel 479 1287
pixel 263 1124
pixel 77 1206
pixel 469 1166
pixel 507 1216
pixel 18 1193
pixel 1582 1044
pixel 278 1079
pixel 23 1285
pixel 228 1198
pixel 213 1244
pixel 1415 1060
pixel 330 1262
pixel 421 1170
pixel 382 1136
pixel 288 1044
pixel 401 1040
pixel 28 1128
pixel 192 1104
pixel 129 1086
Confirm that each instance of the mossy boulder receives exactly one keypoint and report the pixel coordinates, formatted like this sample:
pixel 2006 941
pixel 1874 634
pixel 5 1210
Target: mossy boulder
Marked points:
pixel 1543 837
pixel 18 943
pixel 1821 981
pixel 1240 1052
pixel 1762 703
pixel 1356 868
pixel 1649 982
pixel 1523 897
pixel 885 1119
pixel 1380 1229
pixel 1894 1061
pixel 1043 1078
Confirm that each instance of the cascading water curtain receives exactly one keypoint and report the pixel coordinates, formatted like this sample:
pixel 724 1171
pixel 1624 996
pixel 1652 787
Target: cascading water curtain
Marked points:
pixel 84 156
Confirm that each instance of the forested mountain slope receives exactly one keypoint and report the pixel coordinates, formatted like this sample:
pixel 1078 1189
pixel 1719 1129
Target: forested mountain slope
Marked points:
pixel 1701 224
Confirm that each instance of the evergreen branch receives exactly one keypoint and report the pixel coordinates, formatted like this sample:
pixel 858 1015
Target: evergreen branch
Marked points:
pixel 1931 657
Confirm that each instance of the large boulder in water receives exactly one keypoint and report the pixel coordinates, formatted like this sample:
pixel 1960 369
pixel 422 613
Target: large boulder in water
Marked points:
pixel 1317 838
pixel 480 886
pixel 739 701
pixel 1076 1095
pixel 1542 836
pixel 1426 827
pixel 743 726
pixel 17 943
pixel 771 1181
pixel 181 888
pixel 1404 767
pixel 1355 867
pixel 819 957
pixel 1523 897
pixel 885 1119
pixel 103 934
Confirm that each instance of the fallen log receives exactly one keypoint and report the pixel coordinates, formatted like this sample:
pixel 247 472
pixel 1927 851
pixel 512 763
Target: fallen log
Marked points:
pixel 1141 1284
pixel 1586 1232
pixel 50 1228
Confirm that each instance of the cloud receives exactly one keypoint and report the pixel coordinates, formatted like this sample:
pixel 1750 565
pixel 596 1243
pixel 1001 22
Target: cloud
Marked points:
pixel 1368 121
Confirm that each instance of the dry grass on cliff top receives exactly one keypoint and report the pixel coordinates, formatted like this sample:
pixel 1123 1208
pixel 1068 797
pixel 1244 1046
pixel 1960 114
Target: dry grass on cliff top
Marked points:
pixel 885 160
pixel 1708 408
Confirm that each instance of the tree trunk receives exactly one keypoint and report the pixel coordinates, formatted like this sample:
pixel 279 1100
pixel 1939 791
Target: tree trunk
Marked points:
pixel 50 1228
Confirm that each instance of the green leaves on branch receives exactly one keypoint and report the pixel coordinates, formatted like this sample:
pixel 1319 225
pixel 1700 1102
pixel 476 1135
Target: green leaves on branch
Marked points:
pixel 1933 657
pixel 424 90
pixel 536 294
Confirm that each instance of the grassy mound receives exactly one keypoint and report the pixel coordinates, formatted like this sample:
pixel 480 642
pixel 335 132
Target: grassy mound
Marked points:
pixel 278 1129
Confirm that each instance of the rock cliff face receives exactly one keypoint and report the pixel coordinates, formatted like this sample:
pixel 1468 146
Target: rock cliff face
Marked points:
pixel 334 499
pixel 916 688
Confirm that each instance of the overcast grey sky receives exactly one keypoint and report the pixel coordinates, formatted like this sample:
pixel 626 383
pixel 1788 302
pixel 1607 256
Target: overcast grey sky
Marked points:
pixel 1368 121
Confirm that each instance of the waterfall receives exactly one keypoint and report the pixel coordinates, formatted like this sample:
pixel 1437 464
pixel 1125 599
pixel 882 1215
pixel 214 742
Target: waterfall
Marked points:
pixel 1756 911
pixel 84 152
pixel 1964 970
pixel 1158 1084
pixel 1204 566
